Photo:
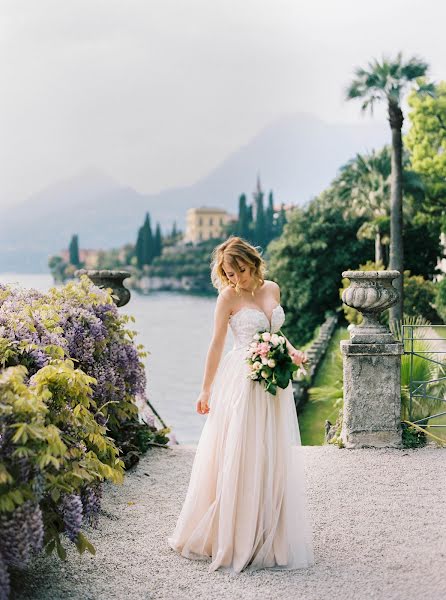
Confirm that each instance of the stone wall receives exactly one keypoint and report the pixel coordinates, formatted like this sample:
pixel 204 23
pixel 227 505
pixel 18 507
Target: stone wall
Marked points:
pixel 315 353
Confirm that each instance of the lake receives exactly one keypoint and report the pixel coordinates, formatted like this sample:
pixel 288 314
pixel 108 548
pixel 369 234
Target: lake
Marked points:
pixel 176 329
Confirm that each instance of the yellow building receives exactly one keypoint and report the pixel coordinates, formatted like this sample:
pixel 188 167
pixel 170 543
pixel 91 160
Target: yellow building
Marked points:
pixel 205 223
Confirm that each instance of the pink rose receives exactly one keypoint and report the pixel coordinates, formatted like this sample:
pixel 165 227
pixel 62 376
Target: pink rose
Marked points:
pixel 264 348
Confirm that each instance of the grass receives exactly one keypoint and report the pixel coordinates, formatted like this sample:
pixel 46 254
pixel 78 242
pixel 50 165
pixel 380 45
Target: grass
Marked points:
pixel 323 405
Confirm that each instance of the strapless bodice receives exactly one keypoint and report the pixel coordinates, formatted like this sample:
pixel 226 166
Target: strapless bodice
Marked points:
pixel 247 321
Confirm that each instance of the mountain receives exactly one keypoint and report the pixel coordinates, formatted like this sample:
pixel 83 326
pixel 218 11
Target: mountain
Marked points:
pixel 296 157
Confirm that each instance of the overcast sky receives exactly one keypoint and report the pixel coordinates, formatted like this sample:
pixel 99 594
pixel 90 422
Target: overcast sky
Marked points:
pixel 158 92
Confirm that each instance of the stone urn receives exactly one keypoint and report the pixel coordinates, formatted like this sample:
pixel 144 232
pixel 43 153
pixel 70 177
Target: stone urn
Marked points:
pixel 109 279
pixel 370 292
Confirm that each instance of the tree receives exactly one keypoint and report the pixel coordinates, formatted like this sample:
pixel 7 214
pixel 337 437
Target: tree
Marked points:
pixel 426 141
pixel 250 218
pixel 281 220
pixel 386 81
pixel 260 222
pixel 147 242
pixel 158 242
pixel 307 261
pixel 73 251
pixel 243 218
pixel 422 245
pixel 269 218
pixel 364 185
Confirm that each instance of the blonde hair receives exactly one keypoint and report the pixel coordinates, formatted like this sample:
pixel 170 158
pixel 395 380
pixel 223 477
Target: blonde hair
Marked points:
pixel 233 249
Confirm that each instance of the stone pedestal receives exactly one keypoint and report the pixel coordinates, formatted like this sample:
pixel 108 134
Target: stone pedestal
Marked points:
pixel 372 365
pixel 372 395
pixel 109 279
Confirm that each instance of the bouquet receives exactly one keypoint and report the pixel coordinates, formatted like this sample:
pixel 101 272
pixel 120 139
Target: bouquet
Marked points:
pixel 271 363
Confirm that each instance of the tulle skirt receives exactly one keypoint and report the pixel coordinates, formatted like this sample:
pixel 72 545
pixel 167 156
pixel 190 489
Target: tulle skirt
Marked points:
pixel 245 506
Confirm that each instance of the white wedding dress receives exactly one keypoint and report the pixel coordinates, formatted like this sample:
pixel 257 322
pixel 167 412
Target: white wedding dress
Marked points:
pixel 245 507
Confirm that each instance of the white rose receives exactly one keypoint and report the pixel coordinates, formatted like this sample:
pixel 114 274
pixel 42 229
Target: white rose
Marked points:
pixel 257 336
pixel 257 365
pixel 266 336
pixel 264 374
pixel 275 339
pixel 254 375
pixel 271 363
pixel 264 360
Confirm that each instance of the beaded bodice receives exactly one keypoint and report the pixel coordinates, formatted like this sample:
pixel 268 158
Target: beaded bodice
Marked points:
pixel 247 321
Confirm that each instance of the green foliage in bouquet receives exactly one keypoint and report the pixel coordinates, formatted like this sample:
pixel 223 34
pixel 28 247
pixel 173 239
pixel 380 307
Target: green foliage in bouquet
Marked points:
pixel 279 368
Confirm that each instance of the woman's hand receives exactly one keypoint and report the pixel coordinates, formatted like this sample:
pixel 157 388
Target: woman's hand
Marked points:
pixel 299 358
pixel 203 403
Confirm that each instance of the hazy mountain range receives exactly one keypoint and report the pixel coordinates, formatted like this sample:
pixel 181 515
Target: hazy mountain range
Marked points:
pixel 296 157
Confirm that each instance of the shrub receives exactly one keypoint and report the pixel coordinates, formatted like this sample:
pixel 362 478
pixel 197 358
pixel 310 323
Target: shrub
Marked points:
pixel 68 389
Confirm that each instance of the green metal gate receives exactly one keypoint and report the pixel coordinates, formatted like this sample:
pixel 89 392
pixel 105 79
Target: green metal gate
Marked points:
pixel 425 359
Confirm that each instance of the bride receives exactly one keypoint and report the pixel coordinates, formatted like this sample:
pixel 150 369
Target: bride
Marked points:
pixel 245 507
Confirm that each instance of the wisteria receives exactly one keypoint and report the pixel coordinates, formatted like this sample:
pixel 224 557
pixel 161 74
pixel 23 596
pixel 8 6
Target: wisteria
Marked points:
pixel 85 325
pixel 91 502
pixel 71 510
pixel 21 533
pixel 59 351
pixel 4 579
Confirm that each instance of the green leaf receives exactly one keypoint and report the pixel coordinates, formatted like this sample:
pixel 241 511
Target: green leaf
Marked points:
pixel 50 546
pixel 86 544
pixel 61 552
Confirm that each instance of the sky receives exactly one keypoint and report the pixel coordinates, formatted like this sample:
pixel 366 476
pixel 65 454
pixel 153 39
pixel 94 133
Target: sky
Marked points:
pixel 157 93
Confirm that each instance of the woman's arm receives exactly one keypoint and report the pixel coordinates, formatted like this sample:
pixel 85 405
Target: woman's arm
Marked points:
pixel 291 349
pixel 221 318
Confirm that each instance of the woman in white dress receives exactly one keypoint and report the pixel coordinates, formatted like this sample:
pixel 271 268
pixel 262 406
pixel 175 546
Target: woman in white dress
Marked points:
pixel 245 506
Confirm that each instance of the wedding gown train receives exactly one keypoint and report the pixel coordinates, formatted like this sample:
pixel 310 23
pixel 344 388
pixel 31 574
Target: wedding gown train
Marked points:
pixel 245 506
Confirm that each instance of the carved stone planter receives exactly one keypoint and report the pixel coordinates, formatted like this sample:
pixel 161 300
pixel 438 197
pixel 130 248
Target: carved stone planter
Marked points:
pixel 371 365
pixel 370 292
pixel 109 279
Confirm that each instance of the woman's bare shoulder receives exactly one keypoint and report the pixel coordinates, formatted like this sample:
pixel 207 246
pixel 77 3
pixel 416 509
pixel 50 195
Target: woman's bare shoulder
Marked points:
pixel 272 284
pixel 274 287
pixel 227 297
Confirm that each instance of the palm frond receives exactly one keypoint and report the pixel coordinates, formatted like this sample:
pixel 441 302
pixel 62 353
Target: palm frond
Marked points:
pixel 415 67
pixel 386 79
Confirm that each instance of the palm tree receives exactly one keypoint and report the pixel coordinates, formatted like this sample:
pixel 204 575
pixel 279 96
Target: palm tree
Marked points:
pixel 387 81
pixel 364 183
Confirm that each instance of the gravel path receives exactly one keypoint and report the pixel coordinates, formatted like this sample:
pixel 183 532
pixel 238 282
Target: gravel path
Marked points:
pixel 379 533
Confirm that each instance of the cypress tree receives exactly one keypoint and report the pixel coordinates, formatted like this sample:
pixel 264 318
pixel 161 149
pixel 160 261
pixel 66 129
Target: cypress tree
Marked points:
pixel 269 218
pixel 158 242
pixel 147 242
pixel 260 228
pixel 249 217
pixel 243 225
pixel 73 251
